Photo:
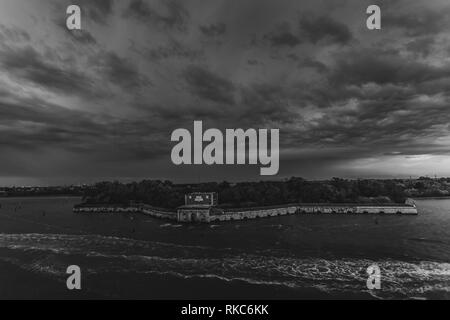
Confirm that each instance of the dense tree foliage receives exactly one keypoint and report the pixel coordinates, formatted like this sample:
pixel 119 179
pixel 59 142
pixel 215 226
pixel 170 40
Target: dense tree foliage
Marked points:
pixel 293 190
pixel 43 191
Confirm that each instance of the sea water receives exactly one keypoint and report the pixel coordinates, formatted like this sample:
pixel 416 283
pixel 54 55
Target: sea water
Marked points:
pixel 291 257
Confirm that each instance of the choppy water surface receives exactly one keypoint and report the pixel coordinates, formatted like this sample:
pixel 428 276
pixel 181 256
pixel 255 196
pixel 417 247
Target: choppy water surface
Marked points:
pixel 301 256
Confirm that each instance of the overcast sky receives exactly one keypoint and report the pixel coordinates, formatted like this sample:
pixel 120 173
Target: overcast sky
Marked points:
pixel 102 103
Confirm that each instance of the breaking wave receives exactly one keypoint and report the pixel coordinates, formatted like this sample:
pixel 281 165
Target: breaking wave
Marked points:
pixel 49 253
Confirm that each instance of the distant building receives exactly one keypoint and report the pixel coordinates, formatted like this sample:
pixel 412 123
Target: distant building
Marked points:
pixel 201 198
pixel 198 206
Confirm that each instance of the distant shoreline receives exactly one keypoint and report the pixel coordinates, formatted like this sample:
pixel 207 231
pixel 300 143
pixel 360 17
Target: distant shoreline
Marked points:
pixel 42 196
pixel 431 198
pixel 79 196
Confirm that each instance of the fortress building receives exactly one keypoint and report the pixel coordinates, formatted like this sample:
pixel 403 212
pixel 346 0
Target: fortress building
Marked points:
pixel 198 207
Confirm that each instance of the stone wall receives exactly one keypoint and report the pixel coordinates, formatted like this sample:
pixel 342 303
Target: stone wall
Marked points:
pixel 144 209
pixel 211 215
pixel 244 214
pixel 386 210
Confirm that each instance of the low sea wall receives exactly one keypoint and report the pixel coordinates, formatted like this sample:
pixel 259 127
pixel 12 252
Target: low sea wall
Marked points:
pixel 253 213
pixel 142 208
pixel 218 214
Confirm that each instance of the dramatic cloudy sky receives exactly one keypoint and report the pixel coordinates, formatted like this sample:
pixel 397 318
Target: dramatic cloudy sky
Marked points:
pixel 102 103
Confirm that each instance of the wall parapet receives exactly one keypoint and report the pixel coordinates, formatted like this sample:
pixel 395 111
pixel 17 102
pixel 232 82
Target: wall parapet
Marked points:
pixel 215 214
pixel 261 212
pixel 140 208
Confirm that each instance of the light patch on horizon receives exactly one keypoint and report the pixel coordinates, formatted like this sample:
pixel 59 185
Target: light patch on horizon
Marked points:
pixel 402 166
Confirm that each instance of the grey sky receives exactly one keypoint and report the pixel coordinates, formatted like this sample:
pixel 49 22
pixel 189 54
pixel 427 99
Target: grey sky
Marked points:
pixel 101 103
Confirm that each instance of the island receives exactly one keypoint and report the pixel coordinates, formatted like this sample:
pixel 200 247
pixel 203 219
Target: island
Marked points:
pixel 251 200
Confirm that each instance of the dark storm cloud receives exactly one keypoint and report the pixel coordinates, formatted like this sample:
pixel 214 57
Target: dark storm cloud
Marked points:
pixel 283 39
pixel 337 92
pixel 210 86
pixel 97 10
pixel 311 29
pixel 382 67
pixel 27 64
pixel 214 29
pixel 315 64
pixel 253 62
pixel 419 22
pixel 263 103
pixel 14 34
pixel 396 110
pixel 422 46
pixel 174 49
pixel 324 28
pixel 169 14
pixel 119 71
pixel 32 124
pixel 282 36
pixel 82 36
pixel 384 125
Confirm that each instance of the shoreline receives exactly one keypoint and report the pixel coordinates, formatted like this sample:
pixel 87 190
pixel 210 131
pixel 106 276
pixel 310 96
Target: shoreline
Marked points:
pixel 42 196
pixel 432 198
pixel 208 214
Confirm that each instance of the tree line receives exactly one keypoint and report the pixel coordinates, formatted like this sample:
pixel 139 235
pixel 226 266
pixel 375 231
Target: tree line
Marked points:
pixel 247 194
